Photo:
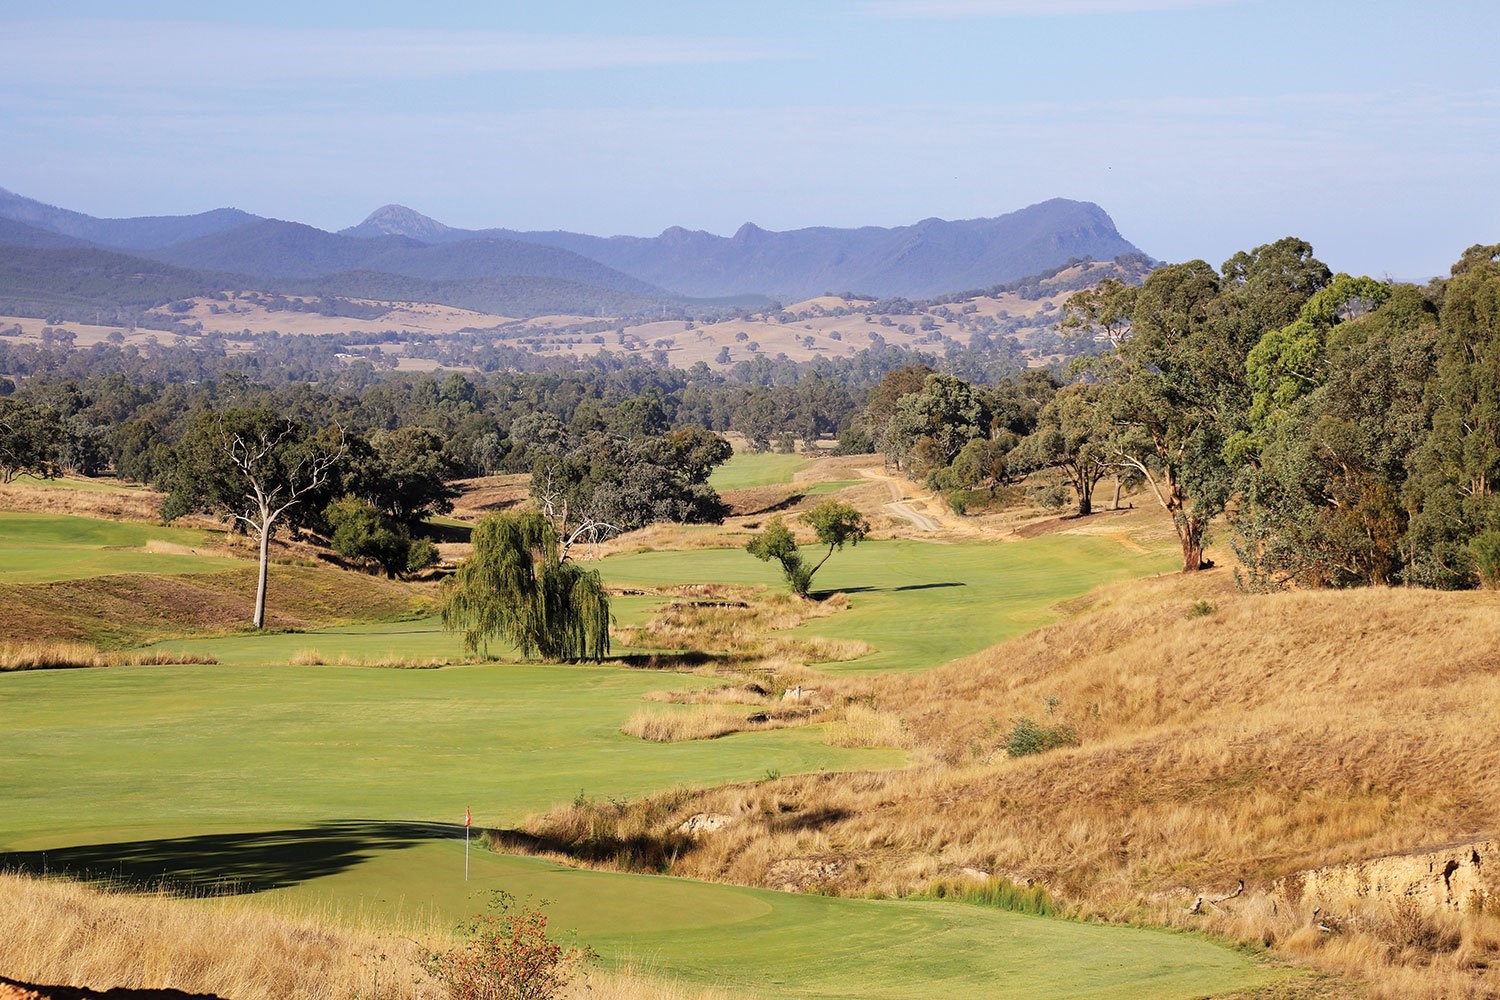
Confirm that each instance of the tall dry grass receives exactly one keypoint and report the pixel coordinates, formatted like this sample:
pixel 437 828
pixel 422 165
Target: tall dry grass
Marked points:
pixel 60 933
pixel 63 933
pixel 1223 736
pixel 315 658
pixel 706 722
pixel 66 655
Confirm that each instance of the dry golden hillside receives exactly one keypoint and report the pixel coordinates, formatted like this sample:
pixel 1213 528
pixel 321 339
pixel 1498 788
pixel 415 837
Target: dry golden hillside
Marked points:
pixel 1222 736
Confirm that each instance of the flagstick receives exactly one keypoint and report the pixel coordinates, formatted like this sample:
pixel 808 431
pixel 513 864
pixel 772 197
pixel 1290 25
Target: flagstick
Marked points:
pixel 466 852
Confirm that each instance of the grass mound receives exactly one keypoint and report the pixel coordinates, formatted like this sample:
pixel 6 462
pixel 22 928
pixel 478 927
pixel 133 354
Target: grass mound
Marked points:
pixel 136 608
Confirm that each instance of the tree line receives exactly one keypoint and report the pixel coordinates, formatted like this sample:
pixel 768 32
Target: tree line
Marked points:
pixel 1344 428
pixel 1347 430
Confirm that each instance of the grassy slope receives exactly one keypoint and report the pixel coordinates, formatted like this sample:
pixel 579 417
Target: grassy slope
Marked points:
pixel 42 548
pixel 118 583
pixel 259 775
pixel 1224 736
pixel 921 603
pixel 79 483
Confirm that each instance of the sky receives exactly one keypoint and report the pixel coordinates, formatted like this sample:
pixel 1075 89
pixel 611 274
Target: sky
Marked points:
pixel 1369 128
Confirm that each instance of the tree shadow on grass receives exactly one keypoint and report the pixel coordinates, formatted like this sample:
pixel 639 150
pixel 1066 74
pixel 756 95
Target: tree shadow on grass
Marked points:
pixel 821 595
pixel 230 864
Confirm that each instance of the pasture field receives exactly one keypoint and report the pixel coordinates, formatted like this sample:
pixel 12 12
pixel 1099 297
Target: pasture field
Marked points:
pixel 750 469
pixel 44 548
pixel 921 603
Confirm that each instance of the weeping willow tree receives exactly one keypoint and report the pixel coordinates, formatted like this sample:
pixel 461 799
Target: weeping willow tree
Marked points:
pixel 517 586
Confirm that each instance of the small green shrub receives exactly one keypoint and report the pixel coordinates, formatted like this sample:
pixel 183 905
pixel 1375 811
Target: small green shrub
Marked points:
pixel 1201 609
pixel 1029 737
pixel 507 956
pixel 421 555
pixel 1051 497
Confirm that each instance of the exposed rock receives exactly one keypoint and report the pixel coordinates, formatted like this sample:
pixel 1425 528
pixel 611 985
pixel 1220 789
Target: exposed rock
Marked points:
pixel 700 823
pixel 1459 877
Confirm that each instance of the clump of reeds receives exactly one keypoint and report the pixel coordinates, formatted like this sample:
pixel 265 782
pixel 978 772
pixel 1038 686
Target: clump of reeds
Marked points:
pixel 997 891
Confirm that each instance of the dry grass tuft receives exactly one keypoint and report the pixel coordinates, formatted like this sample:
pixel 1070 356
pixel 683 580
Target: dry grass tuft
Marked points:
pixel 863 726
pixel 706 722
pixel 65 655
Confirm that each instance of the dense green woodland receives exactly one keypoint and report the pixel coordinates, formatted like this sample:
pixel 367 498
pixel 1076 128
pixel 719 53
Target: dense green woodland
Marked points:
pixel 1347 431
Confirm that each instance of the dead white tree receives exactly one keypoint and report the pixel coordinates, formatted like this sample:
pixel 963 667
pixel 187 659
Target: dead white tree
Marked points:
pixel 588 531
pixel 277 471
pixel 253 465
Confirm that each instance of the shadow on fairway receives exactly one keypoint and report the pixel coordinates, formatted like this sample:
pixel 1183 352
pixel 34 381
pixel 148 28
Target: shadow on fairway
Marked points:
pixel 824 594
pixel 115 993
pixel 230 864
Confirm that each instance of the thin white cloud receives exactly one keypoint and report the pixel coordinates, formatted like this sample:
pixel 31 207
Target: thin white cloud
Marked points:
pixel 196 54
pixel 950 9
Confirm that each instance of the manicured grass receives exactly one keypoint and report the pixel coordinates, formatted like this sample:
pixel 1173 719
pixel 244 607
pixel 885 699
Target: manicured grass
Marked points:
pixel 40 548
pixel 747 469
pixel 773 944
pixel 921 603
pixel 170 750
pixel 419 639
pixel 831 486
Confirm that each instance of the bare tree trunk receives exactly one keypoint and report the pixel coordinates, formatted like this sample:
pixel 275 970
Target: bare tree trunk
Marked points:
pixel 260 583
pixel 1117 493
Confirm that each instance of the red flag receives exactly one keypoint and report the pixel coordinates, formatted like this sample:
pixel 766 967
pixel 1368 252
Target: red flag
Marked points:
pixel 467 818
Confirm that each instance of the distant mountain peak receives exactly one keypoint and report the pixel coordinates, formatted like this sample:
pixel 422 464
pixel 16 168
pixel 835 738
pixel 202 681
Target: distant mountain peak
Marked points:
pixel 398 220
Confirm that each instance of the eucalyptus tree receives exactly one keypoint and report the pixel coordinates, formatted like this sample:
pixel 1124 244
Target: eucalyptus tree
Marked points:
pixel 1176 387
pixel 29 438
pixel 834 523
